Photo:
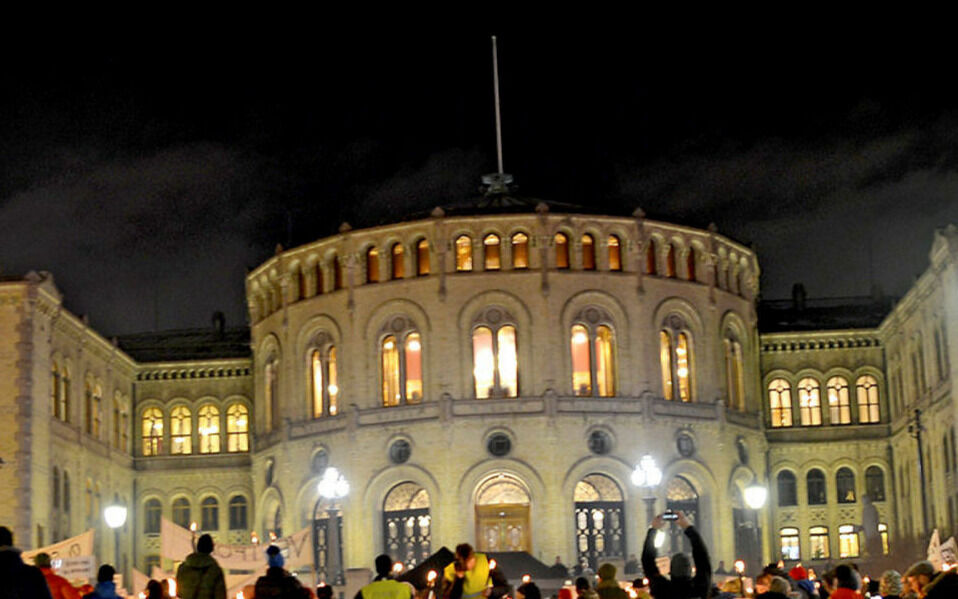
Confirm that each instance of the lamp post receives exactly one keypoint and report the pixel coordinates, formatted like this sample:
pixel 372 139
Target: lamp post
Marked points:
pixel 115 517
pixel 755 497
pixel 915 429
pixel 333 486
pixel 647 476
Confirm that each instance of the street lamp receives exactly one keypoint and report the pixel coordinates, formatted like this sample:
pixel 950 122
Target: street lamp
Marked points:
pixel 115 517
pixel 647 476
pixel 333 486
pixel 755 497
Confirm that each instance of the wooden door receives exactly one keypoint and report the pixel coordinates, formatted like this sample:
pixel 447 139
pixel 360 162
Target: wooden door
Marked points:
pixel 503 528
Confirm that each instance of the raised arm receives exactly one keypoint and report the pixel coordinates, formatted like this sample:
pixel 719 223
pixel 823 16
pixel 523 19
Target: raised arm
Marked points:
pixel 648 549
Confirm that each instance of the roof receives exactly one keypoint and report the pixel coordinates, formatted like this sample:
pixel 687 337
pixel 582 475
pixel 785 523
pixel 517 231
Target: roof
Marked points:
pixel 187 344
pixel 822 314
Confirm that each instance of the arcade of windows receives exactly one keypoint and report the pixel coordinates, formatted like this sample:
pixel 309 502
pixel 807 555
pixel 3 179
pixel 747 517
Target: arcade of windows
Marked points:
pixel 209 430
pixel 94 411
pixel 819 545
pixel 809 405
pixel 209 521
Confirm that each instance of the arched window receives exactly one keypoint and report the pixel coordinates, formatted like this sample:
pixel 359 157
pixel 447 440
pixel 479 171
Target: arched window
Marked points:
pixel 599 520
pixel 845 483
pixel 209 429
pixel 495 361
pixel 690 264
pixel 670 261
pixel 787 494
pixel 407 525
pixel 734 373
pixel 55 392
pixel 117 421
pixel 818 542
pixel 847 541
pixel 152 432
pixel 181 512
pixel 97 411
pixel 271 392
pixel 588 252
pixel 562 250
pixel 237 428
pixel 152 512
pixel 401 365
pixel 650 258
pixel 398 261
pixel 422 258
pixel 65 395
pixel 372 265
pixel 816 487
pixel 810 402
pixel 338 282
pixel 56 488
pixel 883 534
pixel 463 253
pixel 238 508
pixel 324 379
pixel 780 402
pixel 839 408
pixel 615 253
pixel 675 356
pixel 593 358
pixel 181 429
pixel 788 543
pixel 209 514
pixel 125 429
pixel 875 483
pixel 88 407
pixel 520 251
pixel 492 259
pixel 866 389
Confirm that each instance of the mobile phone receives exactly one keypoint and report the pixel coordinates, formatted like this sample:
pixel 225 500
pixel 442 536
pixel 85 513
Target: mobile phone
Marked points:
pixel 670 515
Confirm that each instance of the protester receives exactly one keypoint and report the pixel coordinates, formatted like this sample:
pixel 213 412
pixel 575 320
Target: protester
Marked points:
pixel 558 569
pixel 847 583
pixel 18 579
pixel 528 590
pixel 919 575
pixel 60 587
pixel 890 587
pixel 467 577
pixel 804 587
pixel 278 583
pixel 943 585
pixel 383 586
pixel 763 580
pixel 778 588
pixel 583 589
pixel 631 565
pixel 681 585
pixel 154 590
pixel 608 587
pixel 105 587
pixel 200 576
pixel 324 591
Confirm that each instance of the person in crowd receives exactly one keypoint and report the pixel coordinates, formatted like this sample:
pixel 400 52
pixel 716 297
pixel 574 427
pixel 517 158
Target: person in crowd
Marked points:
pixel 277 583
pixel 681 584
pixel 200 576
pixel 631 565
pixel 778 588
pixel 60 587
pixel 919 575
pixel 847 583
pixel 721 568
pixel 558 569
pixel 383 586
pixel 105 587
pixel 583 589
pixel 890 587
pixel 324 591
pixel 945 584
pixel 19 579
pixel 565 593
pixel 763 580
pixel 528 590
pixel 608 587
pixel 154 590
pixel 467 577
pixel 804 587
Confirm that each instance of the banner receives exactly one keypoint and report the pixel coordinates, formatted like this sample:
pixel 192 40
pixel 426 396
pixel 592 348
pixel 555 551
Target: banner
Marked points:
pixel 949 551
pixel 139 581
pixel 240 583
pixel 76 569
pixel 73 547
pixel 934 551
pixel 176 543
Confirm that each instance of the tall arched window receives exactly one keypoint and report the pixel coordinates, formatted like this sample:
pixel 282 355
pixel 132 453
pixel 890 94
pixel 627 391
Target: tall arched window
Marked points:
pixel 670 261
pixel 372 265
pixel 181 429
pixel 463 253
pixel 818 542
pixel 494 358
pixel 66 497
pixel 492 258
pixel 56 488
pixel 117 420
pixel 324 377
pixel 238 508
pixel 845 483
pixel 734 373
pixel 422 258
pixel 816 487
pixel 866 390
pixel 97 411
pixel 237 428
pixel 88 407
pixel 675 356
pixel 398 261
pixel 780 402
pixel 401 364
pixel 615 253
pixel 55 391
pixel 875 483
pixel 593 356
pixel 810 402
pixel 650 258
pixel 152 432
pixel 181 512
pixel 847 541
pixel 787 494
pixel 690 264
pixel 839 408
pixel 65 394
pixel 152 512
pixel 520 251
pixel 407 525
pixel 338 279
pixel 562 250
pixel 209 514
pixel 270 392
pixel 588 252
pixel 208 424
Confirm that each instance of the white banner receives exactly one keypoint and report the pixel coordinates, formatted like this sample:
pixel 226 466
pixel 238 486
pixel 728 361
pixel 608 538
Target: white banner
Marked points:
pixel 176 543
pixel 139 580
pixel 81 544
pixel 76 569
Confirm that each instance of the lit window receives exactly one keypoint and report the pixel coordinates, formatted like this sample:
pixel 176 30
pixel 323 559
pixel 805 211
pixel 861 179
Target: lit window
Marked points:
pixel 562 250
pixel 787 495
pixel 520 251
pixel 675 356
pixel 422 258
pixel 399 265
pixel 847 541
pixel 208 422
pixel 810 402
pixel 270 392
pixel 788 541
pixel 463 253
pixel 152 512
pixel 181 512
pixel 401 364
pixel 665 358
pixel 734 377
pixel 593 359
pixel 845 483
pixel 875 483
pixel 883 533
pixel 615 253
pixel 780 402
pixel 491 247
pixel 152 432
pixel 372 265
pixel 209 514
pixel 495 366
pixel 650 259
pixel 181 428
pixel 670 261
pixel 818 542
pixel 867 392
pixel 238 506
pixel 839 408
pixel 324 378
pixel 237 428
pixel 588 252
pixel 816 487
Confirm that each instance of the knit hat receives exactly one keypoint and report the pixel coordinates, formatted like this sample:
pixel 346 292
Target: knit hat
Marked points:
pixel 41 560
pixel 680 567
pixel 274 557
pixel 607 572
pixel 798 573
pixel 779 585
pixel 890 583
pixel 922 567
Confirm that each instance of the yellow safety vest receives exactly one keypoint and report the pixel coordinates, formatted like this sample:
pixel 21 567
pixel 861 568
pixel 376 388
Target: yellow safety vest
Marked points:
pixel 386 589
pixel 477 579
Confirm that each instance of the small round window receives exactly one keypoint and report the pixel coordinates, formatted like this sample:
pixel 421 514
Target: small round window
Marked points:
pixel 320 462
pixel 600 443
pixel 499 445
pixel 400 451
pixel 685 444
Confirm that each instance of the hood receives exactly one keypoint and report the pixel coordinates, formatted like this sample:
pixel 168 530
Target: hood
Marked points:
pixel 199 560
pixel 107 590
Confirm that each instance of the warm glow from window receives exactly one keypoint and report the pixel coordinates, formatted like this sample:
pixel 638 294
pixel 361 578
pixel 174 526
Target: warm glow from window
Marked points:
pixel 209 429
pixel 588 252
pixel 883 533
pixel 332 389
pixel 605 361
pixel 650 259
pixel 463 253
pixel 491 247
pixel 372 265
pixel 581 362
pixel 316 365
pixel 507 361
pixel 818 542
pixel 562 250
pixel 665 358
pixel 780 402
pixel 847 541
pixel 390 372
pixel 422 258
pixel 683 368
pixel 789 544
pixel 413 368
pixel 181 428
pixel 615 253
pixel 810 402
pixel 237 428
pixel 867 394
pixel 839 409
pixel 399 263
pixel 483 362
pixel 520 251
pixel 670 262
pixel 152 431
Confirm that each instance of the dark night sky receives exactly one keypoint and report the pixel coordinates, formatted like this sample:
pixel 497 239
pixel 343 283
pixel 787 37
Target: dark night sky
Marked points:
pixel 147 177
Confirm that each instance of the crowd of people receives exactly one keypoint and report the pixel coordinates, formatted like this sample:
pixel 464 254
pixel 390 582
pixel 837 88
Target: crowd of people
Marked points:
pixel 472 575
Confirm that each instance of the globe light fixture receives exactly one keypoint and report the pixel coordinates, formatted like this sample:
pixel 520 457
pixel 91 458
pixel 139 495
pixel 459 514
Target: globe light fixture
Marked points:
pixel 755 496
pixel 646 473
pixel 115 515
pixel 333 486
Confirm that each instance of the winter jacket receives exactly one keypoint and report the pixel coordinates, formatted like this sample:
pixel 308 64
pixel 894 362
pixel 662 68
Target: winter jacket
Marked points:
pixel 845 594
pixel 60 587
pixel 103 590
pixel 806 589
pixel 200 577
pixel 610 589
pixel 679 588
pixel 279 584
pixel 17 579
pixel 944 585
pixel 588 594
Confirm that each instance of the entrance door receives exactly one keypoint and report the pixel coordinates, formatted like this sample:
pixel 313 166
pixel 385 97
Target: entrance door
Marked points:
pixel 681 495
pixel 599 520
pixel 503 528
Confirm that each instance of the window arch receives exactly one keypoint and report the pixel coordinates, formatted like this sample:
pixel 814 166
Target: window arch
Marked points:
pixel 650 258
pixel 152 432
pixel 788 543
pixel 787 489
pixel 398 261
pixel 271 391
pixel 494 356
pixel 55 391
pixel 181 429
pixel 492 254
pixel 422 258
pixel 209 514
pixel 181 512
pixel 520 251
pixel 562 250
pixel 324 378
pixel 97 430
pixel 237 428
pixel 816 487
pixel 463 253
pixel 615 253
pixel 675 356
pixel 845 483
pixel 588 252
pixel 407 524
pixel 372 265
pixel 875 483
pixel 866 391
pixel 592 343
pixel 338 282
pixel 152 513
pixel 117 420
pixel 400 352
pixel 670 261
pixel 238 510
pixel 734 373
pixel 780 402
pixel 690 263
pixel 839 407
pixel 810 401
pixel 208 426
pixel 65 394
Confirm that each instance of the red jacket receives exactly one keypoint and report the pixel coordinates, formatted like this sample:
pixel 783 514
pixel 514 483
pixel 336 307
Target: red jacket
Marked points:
pixel 60 587
pixel 845 594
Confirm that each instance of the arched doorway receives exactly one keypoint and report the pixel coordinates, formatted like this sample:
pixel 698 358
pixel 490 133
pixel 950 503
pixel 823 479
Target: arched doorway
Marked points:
pixel 599 520
pixel 681 495
pixel 502 514
pixel 327 543
pixel 407 525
